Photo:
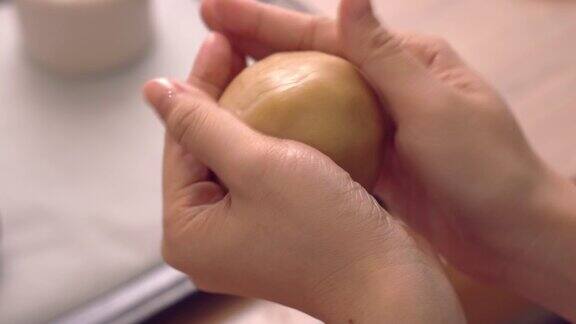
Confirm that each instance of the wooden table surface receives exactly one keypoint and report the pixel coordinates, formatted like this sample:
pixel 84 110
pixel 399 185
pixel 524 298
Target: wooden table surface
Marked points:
pixel 526 48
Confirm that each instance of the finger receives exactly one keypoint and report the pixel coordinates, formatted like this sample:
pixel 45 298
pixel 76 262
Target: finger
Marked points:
pixel 180 169
pixel 215 137
pixel 431 51
pixel 217 63
pixel 378 53
pixel 244 45
pixel 187 182
pixel 270 26
pixel 254 49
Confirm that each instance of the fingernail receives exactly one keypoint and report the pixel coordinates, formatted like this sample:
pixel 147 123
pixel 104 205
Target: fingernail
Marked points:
pixel 161 94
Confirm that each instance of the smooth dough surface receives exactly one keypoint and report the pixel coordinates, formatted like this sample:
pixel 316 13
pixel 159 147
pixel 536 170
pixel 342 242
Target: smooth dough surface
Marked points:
pixel 317 99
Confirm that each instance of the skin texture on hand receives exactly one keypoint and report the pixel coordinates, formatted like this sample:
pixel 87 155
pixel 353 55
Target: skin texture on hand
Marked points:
pixel 257 216
pixel 459 169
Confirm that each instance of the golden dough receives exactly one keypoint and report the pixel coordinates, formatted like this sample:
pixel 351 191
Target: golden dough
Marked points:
pixel 317 99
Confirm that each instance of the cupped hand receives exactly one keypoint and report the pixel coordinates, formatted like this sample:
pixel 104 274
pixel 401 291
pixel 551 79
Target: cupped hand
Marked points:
pixel 256 216
pixel 458 169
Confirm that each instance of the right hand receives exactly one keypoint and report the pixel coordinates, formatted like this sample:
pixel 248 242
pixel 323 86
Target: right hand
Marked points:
pixel 458 168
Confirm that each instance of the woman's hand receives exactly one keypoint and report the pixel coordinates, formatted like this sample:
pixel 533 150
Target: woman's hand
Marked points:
pixel 252 215
pixel 458 169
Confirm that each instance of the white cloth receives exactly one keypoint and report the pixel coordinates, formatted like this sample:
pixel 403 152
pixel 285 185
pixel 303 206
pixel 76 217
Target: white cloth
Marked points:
pixel 80 171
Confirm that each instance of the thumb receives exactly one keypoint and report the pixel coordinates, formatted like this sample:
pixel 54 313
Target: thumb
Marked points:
pixel 215 137
pixel 395 74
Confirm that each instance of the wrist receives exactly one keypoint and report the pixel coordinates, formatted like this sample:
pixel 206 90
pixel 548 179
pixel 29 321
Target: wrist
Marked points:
pixel 543 266
pixel 408 285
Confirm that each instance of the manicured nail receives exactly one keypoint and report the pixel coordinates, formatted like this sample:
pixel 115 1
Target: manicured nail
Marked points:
pixel 161 94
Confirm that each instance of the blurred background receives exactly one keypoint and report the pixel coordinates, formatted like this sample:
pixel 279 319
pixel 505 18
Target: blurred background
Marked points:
pixel 80 153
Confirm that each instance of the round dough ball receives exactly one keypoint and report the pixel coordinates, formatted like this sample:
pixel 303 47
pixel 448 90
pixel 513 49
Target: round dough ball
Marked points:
pixel 317 99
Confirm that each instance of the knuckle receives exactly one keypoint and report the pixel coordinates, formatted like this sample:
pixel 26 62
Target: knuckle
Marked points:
pixel 432 47
pixel 381 39
pixel 286 155
pixel 439 43
pixel 186 119
pixel 438 46
pixel 277 157
pixel 441 46
pixel 312 36
pixel 260 163
pixel 427 41
pixel 382 44
pixel 307 39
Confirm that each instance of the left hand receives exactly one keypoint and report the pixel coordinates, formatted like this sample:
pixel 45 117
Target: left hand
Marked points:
pixel 280 220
